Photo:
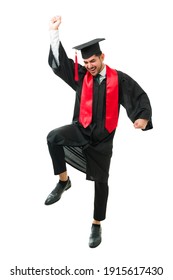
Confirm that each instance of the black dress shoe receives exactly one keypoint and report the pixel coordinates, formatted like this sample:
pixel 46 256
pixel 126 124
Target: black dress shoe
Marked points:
pixel 95 237
pixel 55 195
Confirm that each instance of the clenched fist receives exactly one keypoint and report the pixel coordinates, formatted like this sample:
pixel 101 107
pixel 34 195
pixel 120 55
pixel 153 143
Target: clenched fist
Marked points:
pixel 55 23
pixel 140 123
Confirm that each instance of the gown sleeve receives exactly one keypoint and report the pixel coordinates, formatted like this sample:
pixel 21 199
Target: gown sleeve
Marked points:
pixel 65 69
pixel 134 99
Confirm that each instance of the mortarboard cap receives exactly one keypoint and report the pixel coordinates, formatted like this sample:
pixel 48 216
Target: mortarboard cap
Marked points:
pixel 90 48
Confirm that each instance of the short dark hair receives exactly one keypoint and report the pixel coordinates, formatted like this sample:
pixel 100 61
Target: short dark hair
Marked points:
pixel 98 53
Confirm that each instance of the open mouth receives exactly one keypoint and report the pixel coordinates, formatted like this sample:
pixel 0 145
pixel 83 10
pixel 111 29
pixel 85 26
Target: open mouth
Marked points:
pixel 92 70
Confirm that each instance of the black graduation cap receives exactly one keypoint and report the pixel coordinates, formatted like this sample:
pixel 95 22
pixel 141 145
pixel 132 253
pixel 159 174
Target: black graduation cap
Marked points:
pixel 90 48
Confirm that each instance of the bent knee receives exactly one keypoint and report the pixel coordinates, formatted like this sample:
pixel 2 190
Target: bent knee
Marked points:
pixel 55 136
pixel 51 136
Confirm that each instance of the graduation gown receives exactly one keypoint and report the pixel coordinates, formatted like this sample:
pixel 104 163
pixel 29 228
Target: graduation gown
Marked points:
pixel 94 157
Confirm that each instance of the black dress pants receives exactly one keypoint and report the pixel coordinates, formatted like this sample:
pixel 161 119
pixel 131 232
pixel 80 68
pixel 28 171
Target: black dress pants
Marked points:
pixel 70 136
pixel 100 200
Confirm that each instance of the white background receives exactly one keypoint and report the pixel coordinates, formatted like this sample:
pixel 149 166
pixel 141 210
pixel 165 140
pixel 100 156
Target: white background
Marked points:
pixel 138 228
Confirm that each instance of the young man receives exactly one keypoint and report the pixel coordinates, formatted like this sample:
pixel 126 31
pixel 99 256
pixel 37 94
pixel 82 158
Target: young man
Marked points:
pixel 86 144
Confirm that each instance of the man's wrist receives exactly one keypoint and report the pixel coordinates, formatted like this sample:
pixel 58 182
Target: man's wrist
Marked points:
pixel 51 28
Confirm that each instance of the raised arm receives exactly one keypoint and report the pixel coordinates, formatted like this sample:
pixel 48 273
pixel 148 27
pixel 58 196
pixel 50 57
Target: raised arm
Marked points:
pixel 54 36
pixel 61 65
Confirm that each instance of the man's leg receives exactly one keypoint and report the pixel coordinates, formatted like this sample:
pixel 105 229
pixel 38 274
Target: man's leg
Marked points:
pixel 58 159
pixel 59 166
pixel 69 135
pixel 100 201
pixel 63 176
pixel 56 139
pixel 100 204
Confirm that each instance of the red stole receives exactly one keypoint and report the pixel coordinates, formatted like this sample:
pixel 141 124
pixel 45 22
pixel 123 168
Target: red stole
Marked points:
pixel 85 114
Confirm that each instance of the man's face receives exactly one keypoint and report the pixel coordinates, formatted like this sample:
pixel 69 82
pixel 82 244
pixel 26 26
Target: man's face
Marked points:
pixel 94 64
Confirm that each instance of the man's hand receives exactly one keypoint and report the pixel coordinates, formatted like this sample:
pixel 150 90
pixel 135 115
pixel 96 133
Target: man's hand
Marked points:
pixel 55 23
pixel 140 123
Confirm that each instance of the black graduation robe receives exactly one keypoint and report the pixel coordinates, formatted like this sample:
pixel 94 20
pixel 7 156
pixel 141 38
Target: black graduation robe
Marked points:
pixel 94 158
